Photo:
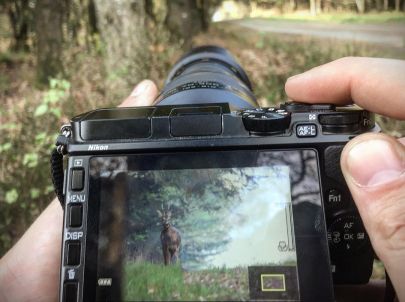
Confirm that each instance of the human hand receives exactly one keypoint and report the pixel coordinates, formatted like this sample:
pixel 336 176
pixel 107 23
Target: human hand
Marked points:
pixel 30 269
pixel 373 164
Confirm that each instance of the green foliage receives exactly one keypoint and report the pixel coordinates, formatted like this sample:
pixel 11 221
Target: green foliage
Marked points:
pixel 11 196
pixel 26 141
pixel 56 93
pixel 146 281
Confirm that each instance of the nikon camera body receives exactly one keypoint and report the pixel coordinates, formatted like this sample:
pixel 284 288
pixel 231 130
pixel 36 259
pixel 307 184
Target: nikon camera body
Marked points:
pixel 207 196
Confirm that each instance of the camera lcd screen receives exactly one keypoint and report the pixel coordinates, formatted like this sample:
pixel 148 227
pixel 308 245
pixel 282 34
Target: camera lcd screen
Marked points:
pixel 216 226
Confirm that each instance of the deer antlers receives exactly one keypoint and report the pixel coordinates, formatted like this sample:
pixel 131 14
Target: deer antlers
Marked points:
pixel 165 213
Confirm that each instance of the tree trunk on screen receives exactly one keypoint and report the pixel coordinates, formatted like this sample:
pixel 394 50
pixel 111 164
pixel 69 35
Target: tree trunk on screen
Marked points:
pixel 361 6
pixel 318 6
pixel 48 28
pixel 327 6
pixel 122 25
pixel 312 7
pixel 378 5
pixel 385 5
pixel 293 5
pixel 397 5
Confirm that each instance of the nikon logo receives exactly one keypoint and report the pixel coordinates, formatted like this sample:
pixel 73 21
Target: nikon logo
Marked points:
pixel 98 147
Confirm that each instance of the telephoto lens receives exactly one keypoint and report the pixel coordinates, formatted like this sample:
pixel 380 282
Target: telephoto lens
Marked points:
pixel 205 75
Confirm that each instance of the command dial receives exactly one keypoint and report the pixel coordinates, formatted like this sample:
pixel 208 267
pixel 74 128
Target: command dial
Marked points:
pixel 346 234
pixel 304 107
pixel 266 120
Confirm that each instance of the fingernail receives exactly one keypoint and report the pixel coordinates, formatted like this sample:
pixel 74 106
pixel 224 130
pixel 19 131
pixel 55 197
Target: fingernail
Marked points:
pixel 374 162
pixel 141 88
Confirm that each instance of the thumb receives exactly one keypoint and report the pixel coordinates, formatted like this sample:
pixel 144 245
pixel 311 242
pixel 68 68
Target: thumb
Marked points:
pixel 143 95
pixel 374 169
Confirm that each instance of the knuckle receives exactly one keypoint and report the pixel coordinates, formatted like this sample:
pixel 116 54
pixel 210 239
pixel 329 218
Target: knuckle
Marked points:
pixel 347 60
pixel 390 223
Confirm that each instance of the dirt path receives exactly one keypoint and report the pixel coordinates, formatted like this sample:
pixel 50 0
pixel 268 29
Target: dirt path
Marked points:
pixel 392 34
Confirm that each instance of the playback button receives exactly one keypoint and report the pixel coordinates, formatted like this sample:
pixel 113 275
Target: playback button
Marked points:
pixel 77 179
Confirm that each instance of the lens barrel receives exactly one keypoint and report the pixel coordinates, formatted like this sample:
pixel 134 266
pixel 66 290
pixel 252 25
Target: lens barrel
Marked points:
pixel 206 75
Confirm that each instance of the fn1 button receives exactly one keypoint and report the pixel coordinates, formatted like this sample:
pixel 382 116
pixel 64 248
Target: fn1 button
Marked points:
pixel 77 179
pixel 334 197
pixel 306 130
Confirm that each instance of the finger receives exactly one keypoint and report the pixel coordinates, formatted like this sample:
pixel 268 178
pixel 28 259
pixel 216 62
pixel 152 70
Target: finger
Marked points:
pixel 143 95
pixel 374 169
pixel 44 237
pixel 372 83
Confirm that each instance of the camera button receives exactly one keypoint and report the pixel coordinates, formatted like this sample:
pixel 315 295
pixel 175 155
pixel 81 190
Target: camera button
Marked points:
pixel 73 250
pixel 332 163
pixel 306 130
pixel 335 197
pixel 303 107
pixel 70 292
pixel 77 179
pixel 75 215
pixel 339 118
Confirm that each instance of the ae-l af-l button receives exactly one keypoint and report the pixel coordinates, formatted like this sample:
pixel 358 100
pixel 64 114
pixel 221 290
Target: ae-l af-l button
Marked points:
pixel 306 130
pixel 77 179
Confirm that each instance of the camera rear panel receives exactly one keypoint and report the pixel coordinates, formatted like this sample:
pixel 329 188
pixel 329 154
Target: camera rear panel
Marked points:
pixel 213 128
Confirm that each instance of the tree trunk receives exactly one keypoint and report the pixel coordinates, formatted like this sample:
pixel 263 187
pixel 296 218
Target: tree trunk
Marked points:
pixel 122 25
pixel 312 7
pixel 48 27
pixel 184 20
pixel 385 5
pixel 293 5
pixel 20 16
pixel 327 6
pixel 318 6
pixel 91 12
pixel 378 5
pixel 397 5
pixel 361 6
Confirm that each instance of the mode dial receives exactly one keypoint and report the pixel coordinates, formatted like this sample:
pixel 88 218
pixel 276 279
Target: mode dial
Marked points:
pixel 266 120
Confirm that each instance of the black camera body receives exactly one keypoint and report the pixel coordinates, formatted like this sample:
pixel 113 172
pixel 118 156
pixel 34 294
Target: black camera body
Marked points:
pixel 124 161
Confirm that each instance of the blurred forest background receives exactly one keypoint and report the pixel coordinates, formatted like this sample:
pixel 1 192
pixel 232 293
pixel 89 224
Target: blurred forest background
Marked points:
pixel 59 58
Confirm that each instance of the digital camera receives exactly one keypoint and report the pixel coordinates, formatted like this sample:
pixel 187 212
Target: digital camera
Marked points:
pixel 207 196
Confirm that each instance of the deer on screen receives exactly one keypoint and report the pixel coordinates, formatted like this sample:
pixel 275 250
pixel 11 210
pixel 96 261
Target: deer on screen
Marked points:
pixel 169 237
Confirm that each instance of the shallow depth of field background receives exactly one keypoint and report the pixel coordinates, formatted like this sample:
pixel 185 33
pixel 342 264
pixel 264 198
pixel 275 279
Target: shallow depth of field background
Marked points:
pixel 59 58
